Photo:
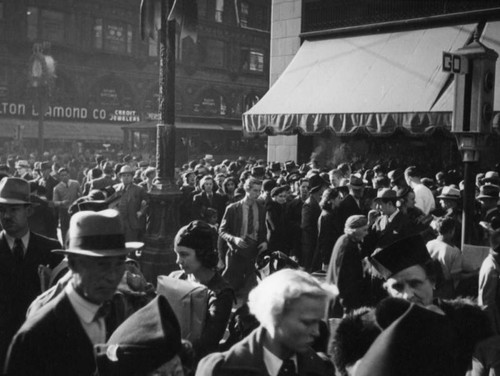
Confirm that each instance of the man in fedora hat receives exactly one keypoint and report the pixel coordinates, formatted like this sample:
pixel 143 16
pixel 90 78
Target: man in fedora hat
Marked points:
pixel 391 224
pixel 351 204
pixel 59 338
pixel 132 203
pixel 65 193
pixel 488 197
pixel 21 253
pixel 309 223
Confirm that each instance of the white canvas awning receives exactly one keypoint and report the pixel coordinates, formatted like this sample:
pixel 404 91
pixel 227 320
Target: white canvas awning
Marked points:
pixel 374 84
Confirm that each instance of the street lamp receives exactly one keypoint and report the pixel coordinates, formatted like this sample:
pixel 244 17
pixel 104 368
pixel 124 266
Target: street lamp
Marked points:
pixel 42 77
pixel 474 68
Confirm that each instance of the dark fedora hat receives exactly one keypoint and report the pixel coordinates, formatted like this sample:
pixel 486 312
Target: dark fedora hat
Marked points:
pixel 14 191
pixel 395 175
pixel 488 191
pixel 386 194
pixel 142 343
pixel 400 255
pixel 97 234
pixel 275 166
pixel 258 171
pixel 355 182
pixel 316 182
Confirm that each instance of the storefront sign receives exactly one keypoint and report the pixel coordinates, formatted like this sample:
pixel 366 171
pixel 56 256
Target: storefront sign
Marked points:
pixel 55 112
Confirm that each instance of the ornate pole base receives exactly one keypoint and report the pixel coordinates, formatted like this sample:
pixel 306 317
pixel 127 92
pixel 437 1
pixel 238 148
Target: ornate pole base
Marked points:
pixel 158 256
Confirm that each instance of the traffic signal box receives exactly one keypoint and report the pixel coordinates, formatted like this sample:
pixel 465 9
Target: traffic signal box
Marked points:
pixel 474 68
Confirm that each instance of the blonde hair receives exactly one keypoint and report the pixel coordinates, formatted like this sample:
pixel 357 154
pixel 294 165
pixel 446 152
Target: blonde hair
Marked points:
pixel 271 298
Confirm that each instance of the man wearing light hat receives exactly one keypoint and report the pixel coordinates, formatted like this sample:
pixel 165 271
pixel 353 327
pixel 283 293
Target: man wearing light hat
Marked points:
pixel 21 252
pixel 59 339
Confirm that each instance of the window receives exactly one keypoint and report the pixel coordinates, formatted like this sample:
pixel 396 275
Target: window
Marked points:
pixel 214 53
pixel 244 14
pixel 254 16
pixel 112 36
pixel 219 10
pixel 252 60
pixel 45 24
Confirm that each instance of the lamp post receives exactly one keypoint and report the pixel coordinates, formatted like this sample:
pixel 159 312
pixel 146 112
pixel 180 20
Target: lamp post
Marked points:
pixel 42 77
pixel 158 256
pixel 474 68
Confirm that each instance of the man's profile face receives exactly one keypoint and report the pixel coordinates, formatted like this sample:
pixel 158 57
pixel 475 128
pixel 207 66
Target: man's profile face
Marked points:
pixel 304 189
pixel 14 219
pixel 96 278
pixel 297 329
pixel 411 284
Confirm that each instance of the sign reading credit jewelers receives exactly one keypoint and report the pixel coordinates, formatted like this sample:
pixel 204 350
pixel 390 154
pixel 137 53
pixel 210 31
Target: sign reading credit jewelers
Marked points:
pixel 22 110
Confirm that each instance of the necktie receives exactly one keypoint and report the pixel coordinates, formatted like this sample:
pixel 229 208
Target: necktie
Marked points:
pixel 103 313
pixel 18 251
pixel 287 368
pixel 250 228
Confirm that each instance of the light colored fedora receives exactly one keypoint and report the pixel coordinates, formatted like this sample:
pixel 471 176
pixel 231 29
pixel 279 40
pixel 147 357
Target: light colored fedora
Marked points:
pixel 127 170
pixel 14 191
pixel 97 234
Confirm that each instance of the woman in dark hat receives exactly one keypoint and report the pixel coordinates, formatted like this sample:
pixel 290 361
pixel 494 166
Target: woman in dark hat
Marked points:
pixel 198 258
pixel 411 274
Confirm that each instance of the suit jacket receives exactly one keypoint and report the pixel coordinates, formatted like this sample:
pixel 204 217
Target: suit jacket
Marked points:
pixel 130 203
pixel 309 225
pixel 201 202
pixel 400 227
pixel 20 285
pixel 246 358
pixel 52 342
pixel 232 221
pixel 347 207
pixel 102 182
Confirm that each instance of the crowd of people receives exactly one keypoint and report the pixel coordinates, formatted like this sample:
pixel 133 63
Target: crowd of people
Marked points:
pixel 308 270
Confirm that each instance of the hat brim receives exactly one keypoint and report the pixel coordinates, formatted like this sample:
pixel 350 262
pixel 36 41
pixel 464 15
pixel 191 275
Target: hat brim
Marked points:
pixel 455 198
pixel 11 201
pixel 129 247
pixel 356 186
pixel 485 196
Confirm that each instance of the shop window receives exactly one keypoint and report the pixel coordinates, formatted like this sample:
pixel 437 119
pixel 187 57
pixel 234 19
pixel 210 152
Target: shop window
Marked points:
pixel 252 60
pixel 45 24
pixel 214 53
pixel 219 10
pixel 113 36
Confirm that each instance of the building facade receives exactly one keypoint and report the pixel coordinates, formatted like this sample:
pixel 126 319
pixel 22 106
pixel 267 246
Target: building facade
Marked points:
pixel 350 126
pixel 105 90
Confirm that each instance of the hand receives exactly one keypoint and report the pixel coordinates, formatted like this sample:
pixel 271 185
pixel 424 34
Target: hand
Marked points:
pixel 240 242
pixel 262 247
pixel 221 265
